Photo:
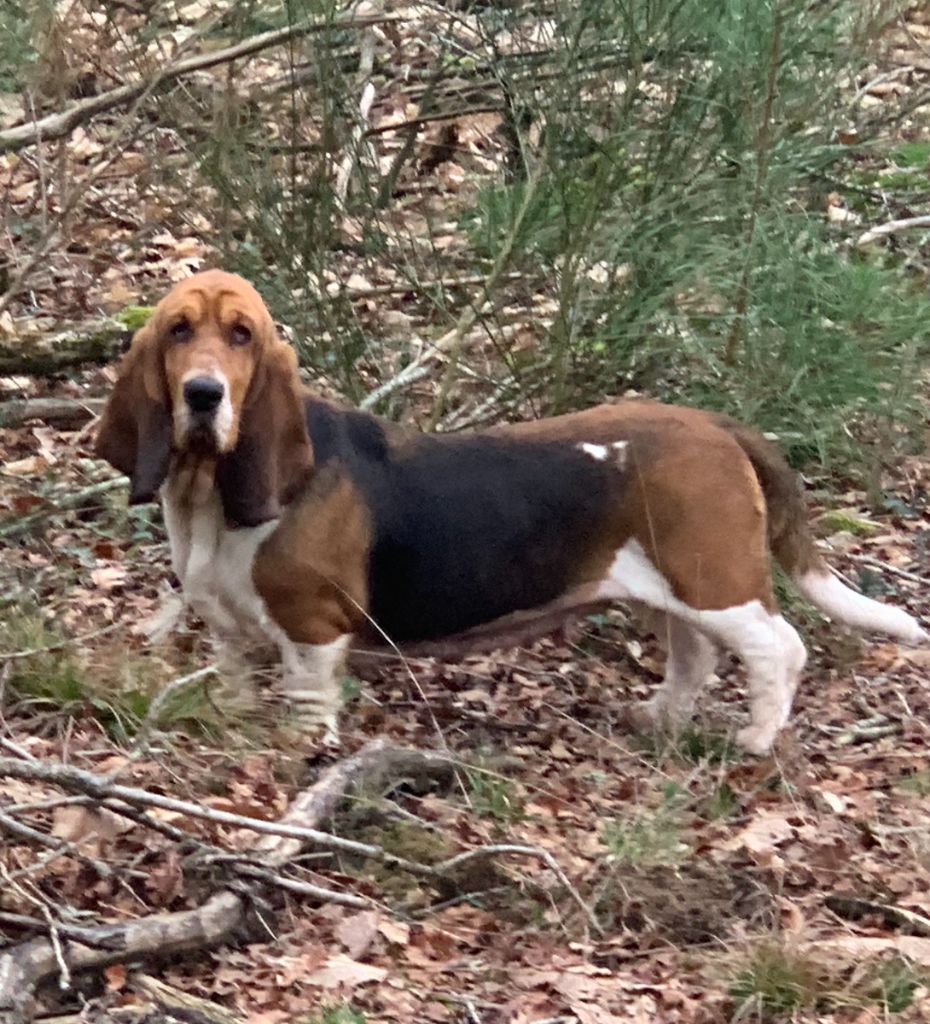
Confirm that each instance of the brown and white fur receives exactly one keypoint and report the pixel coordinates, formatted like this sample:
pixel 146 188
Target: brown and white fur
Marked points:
pixel 296 523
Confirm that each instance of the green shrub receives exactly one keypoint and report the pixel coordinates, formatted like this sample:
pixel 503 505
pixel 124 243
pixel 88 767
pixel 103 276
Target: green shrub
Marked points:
pixel 656 216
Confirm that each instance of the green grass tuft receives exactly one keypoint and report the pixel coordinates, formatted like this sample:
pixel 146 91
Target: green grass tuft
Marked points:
pixel 495 797
pixel 114 685
pixel 648 837
pixel 777 982
pixel 343 1013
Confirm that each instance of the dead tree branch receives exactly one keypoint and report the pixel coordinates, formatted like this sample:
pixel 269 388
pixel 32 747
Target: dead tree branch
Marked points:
pixel 62 123
pixel 66 951
pixel 22 967
pixel 58 412
pixel 95 341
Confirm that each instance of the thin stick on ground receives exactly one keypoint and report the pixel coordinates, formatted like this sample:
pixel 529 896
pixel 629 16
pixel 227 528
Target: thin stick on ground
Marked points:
pixel 877 563
pixel 353 146
pixel 519 850
pixel 64 502
pixel 146 730
pixel 891 228
pixel 23 966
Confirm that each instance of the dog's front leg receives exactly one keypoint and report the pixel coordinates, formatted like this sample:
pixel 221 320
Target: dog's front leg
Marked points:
pixel 236 692
pixel 312 683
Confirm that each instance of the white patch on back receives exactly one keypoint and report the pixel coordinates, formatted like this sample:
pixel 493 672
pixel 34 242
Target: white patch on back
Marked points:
pixel 601 452
pixel 596 451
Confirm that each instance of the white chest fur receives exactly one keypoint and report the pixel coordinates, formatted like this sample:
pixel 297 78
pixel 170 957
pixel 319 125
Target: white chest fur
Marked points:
pixel 214 565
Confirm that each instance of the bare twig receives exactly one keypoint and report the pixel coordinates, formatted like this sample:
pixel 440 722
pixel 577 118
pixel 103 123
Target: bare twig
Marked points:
pixel 877 563
pixel 16 828
pixel 55 126
pixel 448 347
pixel 890 228
pixel 31 652
pixel 74 499
pixel 853 908
pixel 316 892
pixel 439 115
pixel 144 735
pixel 353 146
pixel 537 852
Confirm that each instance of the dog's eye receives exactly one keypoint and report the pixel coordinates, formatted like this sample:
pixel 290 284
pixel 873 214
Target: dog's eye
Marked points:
pixel 181 331
pixel 241 335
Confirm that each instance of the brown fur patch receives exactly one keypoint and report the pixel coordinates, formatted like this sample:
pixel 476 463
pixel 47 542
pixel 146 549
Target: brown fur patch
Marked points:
pixel 695 507
pixel 312 571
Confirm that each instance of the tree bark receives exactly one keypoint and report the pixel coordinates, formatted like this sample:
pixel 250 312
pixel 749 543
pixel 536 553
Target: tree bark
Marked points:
pixel 93 341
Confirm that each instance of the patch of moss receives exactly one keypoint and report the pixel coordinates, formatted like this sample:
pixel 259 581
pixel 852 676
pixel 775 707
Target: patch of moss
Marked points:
pixel 838 521
pixel 134 317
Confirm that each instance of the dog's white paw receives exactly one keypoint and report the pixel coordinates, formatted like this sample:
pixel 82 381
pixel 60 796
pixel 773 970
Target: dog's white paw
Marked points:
pixel 320 724
pixel 755 739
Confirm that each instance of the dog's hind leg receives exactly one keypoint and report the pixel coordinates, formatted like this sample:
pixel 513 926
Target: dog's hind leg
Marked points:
pixel 691 658
pixel 773 656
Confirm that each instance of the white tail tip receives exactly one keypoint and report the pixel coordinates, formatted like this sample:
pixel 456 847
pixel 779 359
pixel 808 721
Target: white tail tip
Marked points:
pixel 838 601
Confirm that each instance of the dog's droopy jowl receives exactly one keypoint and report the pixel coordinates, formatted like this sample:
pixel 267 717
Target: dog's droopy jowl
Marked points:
pixel 301 524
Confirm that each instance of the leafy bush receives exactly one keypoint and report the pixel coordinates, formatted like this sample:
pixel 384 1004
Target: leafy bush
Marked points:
pixel 656 216
pixel 16 50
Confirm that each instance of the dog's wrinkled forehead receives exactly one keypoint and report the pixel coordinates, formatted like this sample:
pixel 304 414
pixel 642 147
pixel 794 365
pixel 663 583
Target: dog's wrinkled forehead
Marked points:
pixel 213 299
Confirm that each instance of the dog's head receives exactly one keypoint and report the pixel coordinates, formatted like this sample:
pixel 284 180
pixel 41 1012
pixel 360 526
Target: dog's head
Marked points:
pixel 208 379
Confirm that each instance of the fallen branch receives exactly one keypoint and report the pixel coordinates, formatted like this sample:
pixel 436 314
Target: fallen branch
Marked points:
pixel 890 228
pixel 178 1005
pixel 62 123
pixel 58 412
pixel 854 908
pixel 67 951
pixel 77 780
pixel 94 341
pixel 439 115
pixel 22 967
pixel 75 499
pixel 877 563
pixel 33 835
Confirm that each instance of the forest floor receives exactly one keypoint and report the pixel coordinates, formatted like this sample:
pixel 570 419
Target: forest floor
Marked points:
pixel 723 886
pixel 720 880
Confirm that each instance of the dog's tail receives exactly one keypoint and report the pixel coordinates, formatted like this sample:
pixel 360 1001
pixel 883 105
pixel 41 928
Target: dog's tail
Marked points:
pixel 792 544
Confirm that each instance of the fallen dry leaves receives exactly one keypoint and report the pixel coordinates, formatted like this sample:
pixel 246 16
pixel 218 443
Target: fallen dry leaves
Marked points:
pixel 683 854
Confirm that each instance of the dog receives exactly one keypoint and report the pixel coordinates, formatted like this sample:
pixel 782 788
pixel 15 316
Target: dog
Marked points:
pixel 298 523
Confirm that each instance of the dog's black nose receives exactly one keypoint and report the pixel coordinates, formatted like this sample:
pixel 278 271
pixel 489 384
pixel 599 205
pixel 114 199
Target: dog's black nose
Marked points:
pixel 203 394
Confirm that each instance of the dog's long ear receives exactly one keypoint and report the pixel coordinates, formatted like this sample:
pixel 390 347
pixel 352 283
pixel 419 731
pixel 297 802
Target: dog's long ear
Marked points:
pixel 135 430
pixel 273 456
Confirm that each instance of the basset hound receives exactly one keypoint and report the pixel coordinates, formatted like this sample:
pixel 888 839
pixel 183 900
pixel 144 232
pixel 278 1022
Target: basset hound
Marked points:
pixel 298 523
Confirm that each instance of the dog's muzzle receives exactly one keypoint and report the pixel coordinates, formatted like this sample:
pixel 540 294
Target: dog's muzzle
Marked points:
pixel 203 397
